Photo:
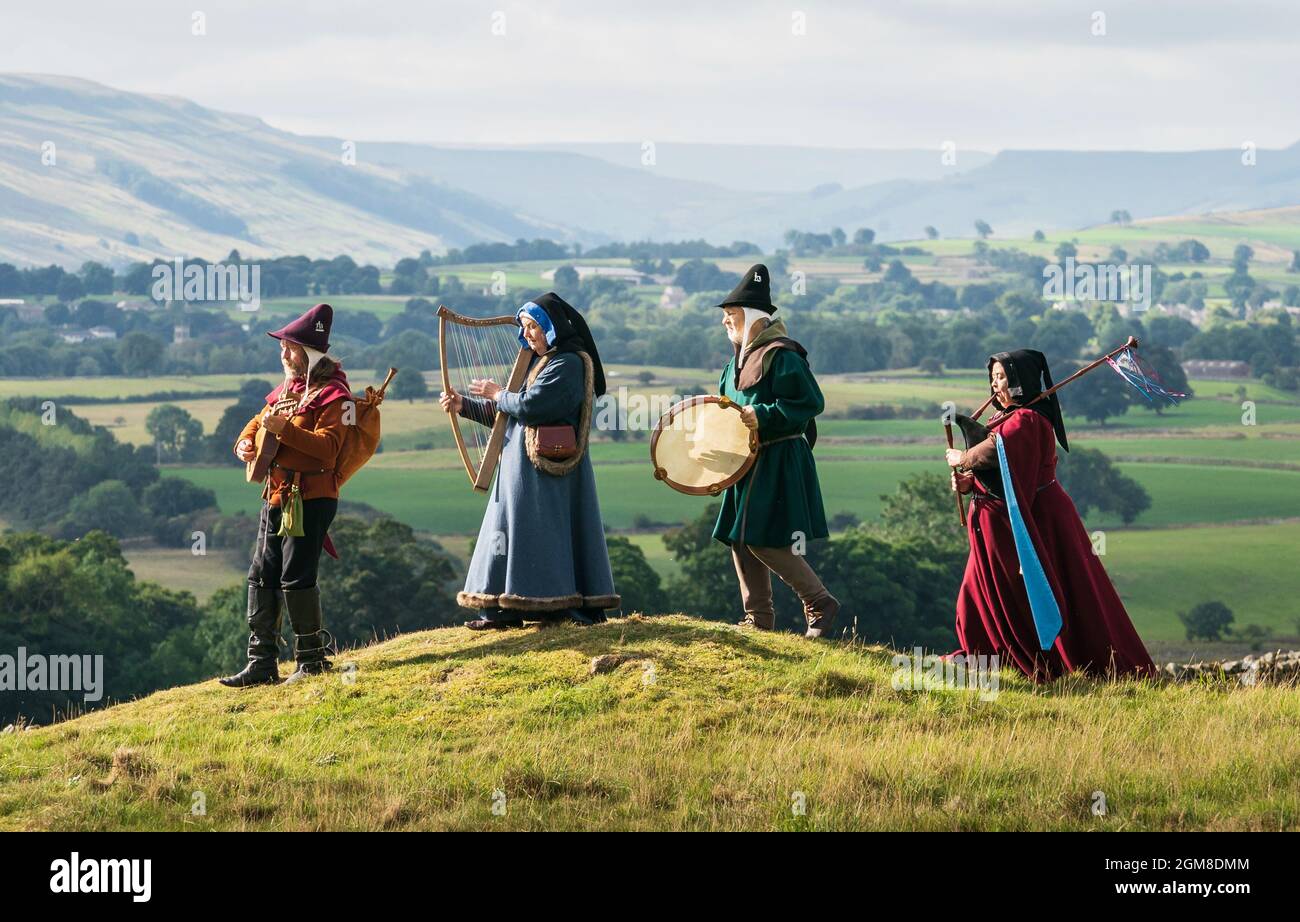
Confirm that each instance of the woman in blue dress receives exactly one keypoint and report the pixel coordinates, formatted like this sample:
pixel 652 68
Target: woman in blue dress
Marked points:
pixel 541 553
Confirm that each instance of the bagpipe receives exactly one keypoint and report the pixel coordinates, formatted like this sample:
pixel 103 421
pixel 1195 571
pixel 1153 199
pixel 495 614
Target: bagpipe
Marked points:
pixel 1123 360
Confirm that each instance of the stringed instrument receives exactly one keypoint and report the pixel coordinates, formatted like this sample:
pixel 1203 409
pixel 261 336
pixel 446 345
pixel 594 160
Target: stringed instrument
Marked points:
pixel 479 347
pixel 267 443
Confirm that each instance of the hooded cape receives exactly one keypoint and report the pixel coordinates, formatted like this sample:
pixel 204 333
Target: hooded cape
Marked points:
pixel 1027 377
pixel 336 388
pixel 571 334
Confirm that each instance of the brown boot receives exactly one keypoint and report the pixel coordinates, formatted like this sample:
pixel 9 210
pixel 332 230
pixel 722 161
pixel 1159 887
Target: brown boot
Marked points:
pixel 821 616
pixel 761 622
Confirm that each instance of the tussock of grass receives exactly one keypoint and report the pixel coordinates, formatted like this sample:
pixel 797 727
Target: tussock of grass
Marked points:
pixel 701 726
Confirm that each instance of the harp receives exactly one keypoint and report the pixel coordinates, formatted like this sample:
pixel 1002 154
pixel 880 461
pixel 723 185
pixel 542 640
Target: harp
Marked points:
pixel 479 347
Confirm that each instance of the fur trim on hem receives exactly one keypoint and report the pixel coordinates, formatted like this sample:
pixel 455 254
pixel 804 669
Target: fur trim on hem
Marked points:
pixel 568 465
pixel 481 600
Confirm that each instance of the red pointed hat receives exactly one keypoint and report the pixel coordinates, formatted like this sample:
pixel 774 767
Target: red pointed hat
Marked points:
pixel 312 329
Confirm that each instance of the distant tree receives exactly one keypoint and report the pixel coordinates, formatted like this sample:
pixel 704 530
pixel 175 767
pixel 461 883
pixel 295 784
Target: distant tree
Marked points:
pixel 838 237
pixel 176 434
pixel 1197 252
pixel 173 496
pixel 841 521
pixel 931 232
pixel 97 279
pixel 1065 249
pixel 1118 255
pixel 645 377
pixel 251 400
pixel 637 581
pixel 1097 396
pixel 1061 335
pixel 1093 482
pixel 864 236
pixel 1120 216
pixel 109 506
pixel 1165 363
pixel 696 275
pixel 931 365
pixel 1254 635
pixel 983 229
pixel 1295 262
pixel 409 385
pixel 1206 621
pixel 70 288
pixel 566 278
pixel 1039 236
pixel 706 582
pixel 921 510
pixel 139 354
pixel 898 273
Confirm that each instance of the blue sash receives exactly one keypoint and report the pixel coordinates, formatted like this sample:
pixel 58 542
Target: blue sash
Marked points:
pixel 1042 601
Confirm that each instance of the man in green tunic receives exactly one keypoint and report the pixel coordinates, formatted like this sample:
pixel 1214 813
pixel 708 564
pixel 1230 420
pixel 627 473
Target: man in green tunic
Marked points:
pixel 771 514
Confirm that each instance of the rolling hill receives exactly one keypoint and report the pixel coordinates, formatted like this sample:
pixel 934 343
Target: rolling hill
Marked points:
pixel 90 172
pixel 682 725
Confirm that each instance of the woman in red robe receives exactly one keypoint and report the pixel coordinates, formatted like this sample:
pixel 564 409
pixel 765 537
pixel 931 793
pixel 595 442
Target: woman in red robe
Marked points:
pixel 1056 610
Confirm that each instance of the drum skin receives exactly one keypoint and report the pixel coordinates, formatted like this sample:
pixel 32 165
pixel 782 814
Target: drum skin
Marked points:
pixel 701 446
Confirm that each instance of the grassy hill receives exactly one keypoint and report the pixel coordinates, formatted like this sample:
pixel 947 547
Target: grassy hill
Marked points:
pixel 705 726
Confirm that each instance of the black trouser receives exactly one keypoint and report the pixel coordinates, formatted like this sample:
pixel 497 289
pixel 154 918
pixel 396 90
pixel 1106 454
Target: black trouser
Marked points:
pixel 291 563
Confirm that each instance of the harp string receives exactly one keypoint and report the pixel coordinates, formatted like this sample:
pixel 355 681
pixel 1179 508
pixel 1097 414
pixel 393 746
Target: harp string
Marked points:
pixel 480 352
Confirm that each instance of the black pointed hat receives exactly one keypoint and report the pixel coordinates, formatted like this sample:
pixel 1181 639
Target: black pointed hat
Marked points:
pixel 754 290
pixel 1027 377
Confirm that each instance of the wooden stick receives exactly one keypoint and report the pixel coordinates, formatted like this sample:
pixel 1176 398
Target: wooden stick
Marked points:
pixel 1131 343
pixel 961 504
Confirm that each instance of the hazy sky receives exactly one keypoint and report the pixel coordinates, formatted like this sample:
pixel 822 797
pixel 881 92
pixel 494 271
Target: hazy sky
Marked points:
pixel 907 73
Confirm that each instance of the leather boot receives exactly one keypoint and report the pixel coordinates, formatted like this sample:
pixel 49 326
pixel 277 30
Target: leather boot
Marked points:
pixel 263 640
pixel 821 616
pixel 310 642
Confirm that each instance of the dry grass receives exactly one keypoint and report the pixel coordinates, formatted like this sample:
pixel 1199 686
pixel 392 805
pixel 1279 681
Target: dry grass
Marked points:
pixel 705 726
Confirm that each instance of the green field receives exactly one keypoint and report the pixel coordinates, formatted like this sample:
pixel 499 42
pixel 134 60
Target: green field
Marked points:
pixel 45 388
pixel 430 490
pixel 1209 477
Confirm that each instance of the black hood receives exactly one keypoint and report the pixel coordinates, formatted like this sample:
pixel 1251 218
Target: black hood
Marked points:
pixel 1027 377
pixel 572 334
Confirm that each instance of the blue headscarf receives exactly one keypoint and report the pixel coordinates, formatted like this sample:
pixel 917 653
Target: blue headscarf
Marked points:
pixel 535 313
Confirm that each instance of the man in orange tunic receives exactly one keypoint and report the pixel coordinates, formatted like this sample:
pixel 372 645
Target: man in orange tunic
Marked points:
pixel 309 415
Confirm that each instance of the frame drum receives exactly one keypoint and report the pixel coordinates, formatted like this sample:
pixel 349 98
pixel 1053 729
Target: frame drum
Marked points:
pixel 702 446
